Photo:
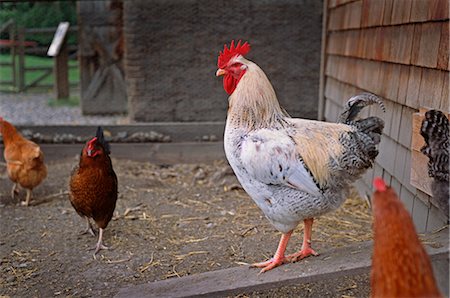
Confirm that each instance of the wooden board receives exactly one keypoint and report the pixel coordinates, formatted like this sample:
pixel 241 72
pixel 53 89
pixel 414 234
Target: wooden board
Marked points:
pixel 58 39
pixel 345 261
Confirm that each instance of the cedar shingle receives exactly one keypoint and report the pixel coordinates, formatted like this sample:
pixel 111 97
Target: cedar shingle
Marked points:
pixel 429 44
pixel 387 14
pixel 444 106
pixel 438 10
pixel 403 84
pixel 419 10
pixel 401 11
pixel 431 88
pixel 412 94
pixel 416 44
pixel 443 54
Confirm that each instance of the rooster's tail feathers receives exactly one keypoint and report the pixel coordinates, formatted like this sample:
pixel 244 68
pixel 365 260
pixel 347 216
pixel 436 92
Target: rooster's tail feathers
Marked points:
pixel 356 104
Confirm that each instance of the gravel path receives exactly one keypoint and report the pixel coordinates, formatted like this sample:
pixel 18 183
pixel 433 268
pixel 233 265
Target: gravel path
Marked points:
pixel 33 109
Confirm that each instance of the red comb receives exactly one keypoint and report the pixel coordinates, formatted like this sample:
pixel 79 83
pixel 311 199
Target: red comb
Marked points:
pixel 227 54
pixel 90 144
pixel 379 184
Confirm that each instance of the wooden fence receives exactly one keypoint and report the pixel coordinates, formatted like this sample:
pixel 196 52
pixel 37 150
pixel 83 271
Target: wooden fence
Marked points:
pixel 19 48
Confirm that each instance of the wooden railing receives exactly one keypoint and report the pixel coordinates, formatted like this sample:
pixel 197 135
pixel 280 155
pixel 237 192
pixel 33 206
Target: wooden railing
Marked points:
pixel 19 48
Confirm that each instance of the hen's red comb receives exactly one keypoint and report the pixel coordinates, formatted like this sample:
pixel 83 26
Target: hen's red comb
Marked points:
pixel 228 53
pixel 379 184
pixel 91 143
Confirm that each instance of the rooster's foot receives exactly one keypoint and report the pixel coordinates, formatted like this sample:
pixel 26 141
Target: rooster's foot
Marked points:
pixel 270 264
pixel 303 253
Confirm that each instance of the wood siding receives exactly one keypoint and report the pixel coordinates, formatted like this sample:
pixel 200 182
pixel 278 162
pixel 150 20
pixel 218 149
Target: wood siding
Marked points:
pixel 399 51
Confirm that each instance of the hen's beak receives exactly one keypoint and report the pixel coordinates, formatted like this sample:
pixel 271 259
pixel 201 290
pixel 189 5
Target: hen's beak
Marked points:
pixel 89 152
pixel 220 72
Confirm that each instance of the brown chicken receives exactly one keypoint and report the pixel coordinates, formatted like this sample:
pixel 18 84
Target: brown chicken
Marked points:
pixel 24 160
pixel 93 186
pixel 400 264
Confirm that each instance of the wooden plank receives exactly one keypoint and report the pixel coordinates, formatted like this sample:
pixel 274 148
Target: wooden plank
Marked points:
pixel 420 214
pixel 443 52
pixel 401 43
pixel 416 44
pixel 445 98
pixel 178 131
pixel 431 88
pixel 234 281
pixel 412 95
pixel 403 84
pixel 438 10
pixel 430 38
pixel 419 11
pixel 387 14
pixel 401 11
pixel 157 153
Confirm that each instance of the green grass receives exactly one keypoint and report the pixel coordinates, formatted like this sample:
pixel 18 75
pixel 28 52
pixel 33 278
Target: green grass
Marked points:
pixel 30 76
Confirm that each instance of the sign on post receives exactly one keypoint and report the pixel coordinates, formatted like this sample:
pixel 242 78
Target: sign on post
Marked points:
pixel 58 49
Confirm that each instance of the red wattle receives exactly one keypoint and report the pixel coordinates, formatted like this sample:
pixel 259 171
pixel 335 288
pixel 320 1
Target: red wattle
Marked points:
pixel 229 83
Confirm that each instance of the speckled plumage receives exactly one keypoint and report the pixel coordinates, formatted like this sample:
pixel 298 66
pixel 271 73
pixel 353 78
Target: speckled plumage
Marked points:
pixel 294 169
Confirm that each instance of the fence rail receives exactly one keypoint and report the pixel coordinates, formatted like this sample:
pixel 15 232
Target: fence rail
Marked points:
pixel 19 48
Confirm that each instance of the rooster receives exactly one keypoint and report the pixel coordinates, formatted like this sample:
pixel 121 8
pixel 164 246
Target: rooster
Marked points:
pixel 400 264
pixel 93 186
pixel 294 169
pixel 435 131
pixel 24 161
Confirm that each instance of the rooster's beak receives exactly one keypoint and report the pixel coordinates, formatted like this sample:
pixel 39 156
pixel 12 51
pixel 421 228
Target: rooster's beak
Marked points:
pixel 220 72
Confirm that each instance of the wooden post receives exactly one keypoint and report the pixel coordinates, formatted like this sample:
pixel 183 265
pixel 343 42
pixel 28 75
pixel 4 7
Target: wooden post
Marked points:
pixel 61 72
pixel 13 53
pixel 59 50
pixel 21 52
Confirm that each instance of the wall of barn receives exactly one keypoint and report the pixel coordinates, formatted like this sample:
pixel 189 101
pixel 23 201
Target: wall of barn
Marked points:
pixel 171 50
pixel 399 51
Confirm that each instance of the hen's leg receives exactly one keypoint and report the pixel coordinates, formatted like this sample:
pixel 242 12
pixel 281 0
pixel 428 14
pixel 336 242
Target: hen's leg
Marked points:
pixel 278 259
pixel 306 249
pixel 99 245
pixel 88 227
pixel 27 199
pixel 14 191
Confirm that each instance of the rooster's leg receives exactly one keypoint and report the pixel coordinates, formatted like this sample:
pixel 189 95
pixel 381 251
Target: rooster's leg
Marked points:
pixel 27 199
pixel 88 227
pixel 306 246
pixel 99 245
pixel 14 191
pixel 278 259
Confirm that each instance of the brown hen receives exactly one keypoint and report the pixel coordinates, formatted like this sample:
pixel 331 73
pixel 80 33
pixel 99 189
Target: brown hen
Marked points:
pixel 93 186
pixel 24 160
pixel 400 264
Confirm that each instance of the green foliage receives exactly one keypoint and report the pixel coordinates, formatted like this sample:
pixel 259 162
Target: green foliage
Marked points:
pixel 40 15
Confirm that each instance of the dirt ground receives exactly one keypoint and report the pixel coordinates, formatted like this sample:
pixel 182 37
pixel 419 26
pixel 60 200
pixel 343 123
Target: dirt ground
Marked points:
pixel 170 221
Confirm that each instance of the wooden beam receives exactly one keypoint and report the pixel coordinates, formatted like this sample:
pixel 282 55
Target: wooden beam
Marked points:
pixel 331 264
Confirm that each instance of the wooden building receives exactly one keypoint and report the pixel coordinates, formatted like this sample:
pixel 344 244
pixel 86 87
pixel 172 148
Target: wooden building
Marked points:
pixel 399 51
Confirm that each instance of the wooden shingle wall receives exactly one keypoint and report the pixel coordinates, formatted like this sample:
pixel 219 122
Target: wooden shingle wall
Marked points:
pixel 397 49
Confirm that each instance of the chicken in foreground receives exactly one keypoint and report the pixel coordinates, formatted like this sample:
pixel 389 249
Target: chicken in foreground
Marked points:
pixel 93 186
pixel 435 131
pixel 24 161
pixel 400 264
pixel 294 169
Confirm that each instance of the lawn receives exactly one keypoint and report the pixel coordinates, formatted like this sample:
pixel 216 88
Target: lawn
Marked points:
pixel 30 76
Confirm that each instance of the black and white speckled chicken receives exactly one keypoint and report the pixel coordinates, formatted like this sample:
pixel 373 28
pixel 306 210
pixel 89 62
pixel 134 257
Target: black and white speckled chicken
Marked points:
pixel 435 131
pixel 294 169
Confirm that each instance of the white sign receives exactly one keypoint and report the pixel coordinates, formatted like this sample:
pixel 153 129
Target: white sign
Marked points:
pixel 58 39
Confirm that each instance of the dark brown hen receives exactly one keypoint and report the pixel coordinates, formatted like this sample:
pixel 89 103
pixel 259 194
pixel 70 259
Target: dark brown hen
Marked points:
pixel 93 185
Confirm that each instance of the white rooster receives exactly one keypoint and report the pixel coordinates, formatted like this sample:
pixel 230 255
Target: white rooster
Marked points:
pixel 294 169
